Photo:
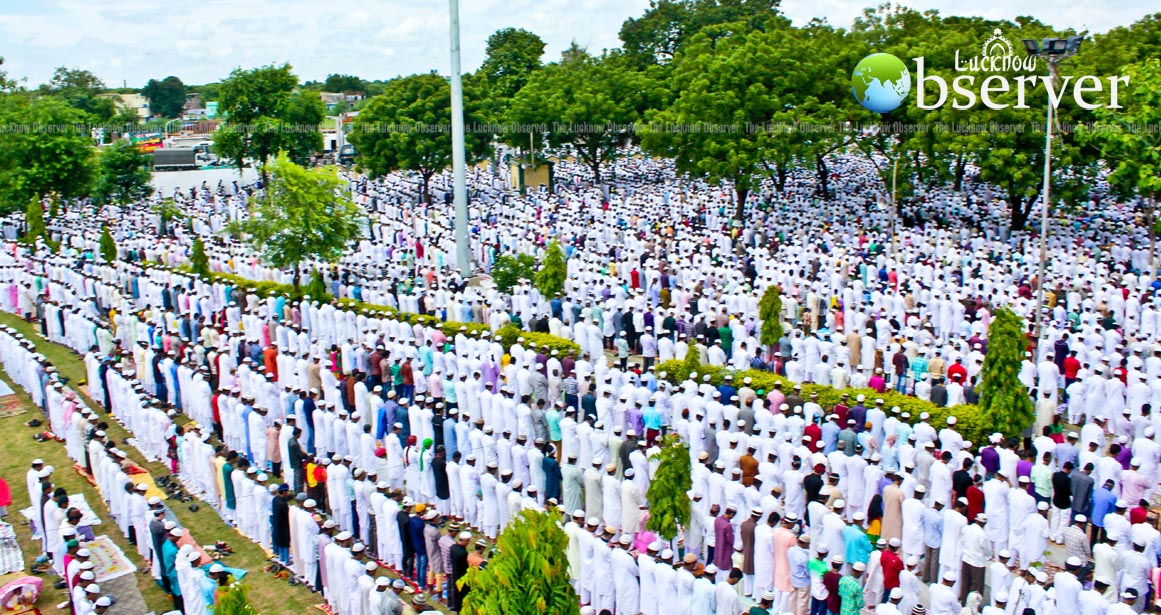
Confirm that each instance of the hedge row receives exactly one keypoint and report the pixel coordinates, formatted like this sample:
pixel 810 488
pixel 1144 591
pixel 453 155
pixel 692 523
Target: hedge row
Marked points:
pixel 262 289
pixel 969 421
pixel 508 334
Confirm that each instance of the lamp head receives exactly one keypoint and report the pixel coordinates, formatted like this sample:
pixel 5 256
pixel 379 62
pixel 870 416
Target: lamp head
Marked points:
pixel 1032 46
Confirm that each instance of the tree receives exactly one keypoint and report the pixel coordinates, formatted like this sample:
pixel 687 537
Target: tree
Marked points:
pixel 303 110
pixel 406 128
pixel 1132 154
pixel 725 124
pixel 81 89
pixel 6 84
pixel 668 496
pixel 529 573
pixel 344 83
pixel 166 97
pixel 108 245
pixel 317 287
pixel 36 164
pixel 1004 401
pixel 257 103
pixel 199 262
pixel 553 271
pixel 509 269
pixel 302 214
pixel 770 313
pixel 665 28
pixel 34 219
pixel 512 55
pixel 123 174
pixel 692 359
pixel 591 103
pixel 166 212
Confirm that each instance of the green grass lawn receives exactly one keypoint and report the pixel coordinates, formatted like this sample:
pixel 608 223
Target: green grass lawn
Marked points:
pixel 267 594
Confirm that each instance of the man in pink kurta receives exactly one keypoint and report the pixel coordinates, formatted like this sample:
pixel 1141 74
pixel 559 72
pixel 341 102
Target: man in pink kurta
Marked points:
pixel 784 538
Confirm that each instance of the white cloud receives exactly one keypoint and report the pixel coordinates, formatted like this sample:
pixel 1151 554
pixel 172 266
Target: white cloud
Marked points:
pixel 203 40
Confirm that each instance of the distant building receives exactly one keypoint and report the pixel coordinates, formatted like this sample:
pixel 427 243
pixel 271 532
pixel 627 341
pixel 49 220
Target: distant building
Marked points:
pixel 331 100
pixel 136 102
pixel 192 101
pixel 211 109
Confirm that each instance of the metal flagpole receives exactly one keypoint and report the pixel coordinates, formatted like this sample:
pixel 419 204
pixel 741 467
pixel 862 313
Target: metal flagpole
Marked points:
pixel 463 252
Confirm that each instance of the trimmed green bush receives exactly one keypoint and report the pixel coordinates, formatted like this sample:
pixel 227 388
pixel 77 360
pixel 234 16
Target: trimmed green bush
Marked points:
pixel 969 419
pixel 508 334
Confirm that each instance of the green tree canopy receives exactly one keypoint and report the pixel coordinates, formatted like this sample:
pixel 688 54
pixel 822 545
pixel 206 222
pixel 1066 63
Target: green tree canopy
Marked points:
pixel 509 269
pixel 529 573
pixel 344 83
pixel 302 214
pixel 265 116
pixel 408 127
pixel 1004 402
pixel 553 271
pixel 166 97
pixel 770 313
pixel 123 174
pixel 34 221
pixel 81 89
pixel 36 164
pixel 669 508
pixel 668 25
pixel 724 124
pixel 108 245
pixel 199 262
pixel 589 103
pixel 512 55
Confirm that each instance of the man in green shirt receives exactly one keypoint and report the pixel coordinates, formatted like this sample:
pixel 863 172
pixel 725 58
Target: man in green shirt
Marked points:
pixel 851 590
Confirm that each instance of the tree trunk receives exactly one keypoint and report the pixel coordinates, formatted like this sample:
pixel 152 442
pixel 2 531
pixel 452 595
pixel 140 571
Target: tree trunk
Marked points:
pixel 823 179
pixel 423 195
pixel 960 171
pixel 741 191
pixel 297 281
pixel 782 172
pixel 1020 209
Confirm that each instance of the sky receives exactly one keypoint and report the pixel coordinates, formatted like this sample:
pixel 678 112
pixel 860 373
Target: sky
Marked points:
pixel 131 41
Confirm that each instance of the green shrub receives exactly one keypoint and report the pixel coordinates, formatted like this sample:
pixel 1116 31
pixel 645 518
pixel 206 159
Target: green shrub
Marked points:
pixel 508 334
pixel 969 420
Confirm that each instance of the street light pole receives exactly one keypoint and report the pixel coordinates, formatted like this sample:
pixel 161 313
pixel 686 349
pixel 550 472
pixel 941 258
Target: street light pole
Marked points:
pixel 1053 51
pixel 459 158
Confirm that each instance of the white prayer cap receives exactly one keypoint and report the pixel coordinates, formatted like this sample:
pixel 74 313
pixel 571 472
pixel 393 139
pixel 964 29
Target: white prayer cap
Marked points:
pixel 1042 506
pixel 896 594
pixel 371 567
pixel 216 568
pixel 358 547
pixel 88 575
pixel 328 524
pixel 86 565
pixel 177 532
pixel 951 420
pixel 343 535
pixel 949 576
pixel 37 462
pixel 711 569
pixel 93 588
pixel 309 504
pixel 768 595
pixel 103 601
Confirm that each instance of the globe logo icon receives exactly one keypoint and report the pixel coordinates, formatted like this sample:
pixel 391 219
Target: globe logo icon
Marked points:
pixel 881 82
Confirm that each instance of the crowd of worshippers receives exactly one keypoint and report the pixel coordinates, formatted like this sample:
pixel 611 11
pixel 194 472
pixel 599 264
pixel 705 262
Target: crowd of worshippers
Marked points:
pixel 796 508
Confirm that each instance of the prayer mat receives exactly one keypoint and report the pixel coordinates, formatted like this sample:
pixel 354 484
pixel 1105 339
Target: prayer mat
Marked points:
pixel 325 608
pixel 10 405
pixel 109 561
pixel 147 478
